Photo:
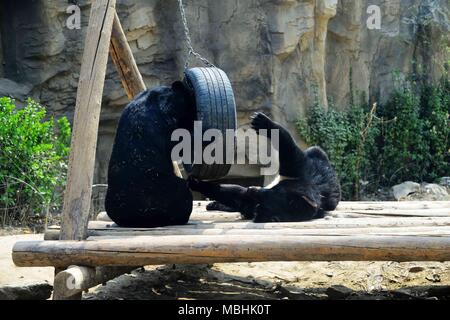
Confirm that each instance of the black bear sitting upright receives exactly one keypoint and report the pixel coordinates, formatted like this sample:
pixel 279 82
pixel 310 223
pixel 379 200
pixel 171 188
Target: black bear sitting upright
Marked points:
pixel 307 188
pixel 143 190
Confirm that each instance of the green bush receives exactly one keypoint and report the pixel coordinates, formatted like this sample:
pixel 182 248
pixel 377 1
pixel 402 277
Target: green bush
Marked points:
pixel 402 145
pixel 33 160
pixel 347 137
pixel 405 139
pixel 435 112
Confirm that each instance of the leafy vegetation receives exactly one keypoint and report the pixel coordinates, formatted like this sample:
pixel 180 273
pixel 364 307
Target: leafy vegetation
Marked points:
pixel 33 160
pixel 405 139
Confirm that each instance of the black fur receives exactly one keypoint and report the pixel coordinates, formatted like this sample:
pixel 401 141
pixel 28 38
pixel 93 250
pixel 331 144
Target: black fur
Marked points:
pixel 143 190
pixel 312 187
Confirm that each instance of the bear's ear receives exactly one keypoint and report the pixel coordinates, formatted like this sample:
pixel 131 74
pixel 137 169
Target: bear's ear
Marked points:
pixel 178 86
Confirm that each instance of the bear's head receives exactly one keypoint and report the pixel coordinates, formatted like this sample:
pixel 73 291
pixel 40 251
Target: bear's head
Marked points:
pixel 183 108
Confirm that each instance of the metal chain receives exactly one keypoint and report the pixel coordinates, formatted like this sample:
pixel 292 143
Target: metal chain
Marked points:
pixel 191 50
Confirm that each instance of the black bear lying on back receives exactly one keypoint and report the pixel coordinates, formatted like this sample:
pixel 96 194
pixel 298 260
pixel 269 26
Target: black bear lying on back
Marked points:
pixel 143 190
pixel 308 186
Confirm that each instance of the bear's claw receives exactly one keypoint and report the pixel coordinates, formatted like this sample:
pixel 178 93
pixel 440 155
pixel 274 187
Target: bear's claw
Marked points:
pixel 260 121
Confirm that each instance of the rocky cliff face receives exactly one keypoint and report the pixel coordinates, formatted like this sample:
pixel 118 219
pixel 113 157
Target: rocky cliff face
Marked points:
pixel 280 55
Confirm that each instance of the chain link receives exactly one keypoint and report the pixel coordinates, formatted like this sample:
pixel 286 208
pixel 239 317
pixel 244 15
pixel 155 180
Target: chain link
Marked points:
pixel 191 50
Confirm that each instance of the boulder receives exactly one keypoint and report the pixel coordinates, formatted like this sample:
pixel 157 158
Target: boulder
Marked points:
pixel 445 182
pixel 37 291
pixel 401 191
pixel 338 292
pixel 435 190
pixel 9 88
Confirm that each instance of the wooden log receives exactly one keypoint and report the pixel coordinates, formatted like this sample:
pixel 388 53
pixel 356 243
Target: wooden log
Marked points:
pixel 321 223
pixel 445 212
pixel 379 205
pixel 214 216
pixel 70 283
pixel 147 250
pixel 200 214
pixel 77 197
pixel 356 209
pixel 372 205
pixel 55 294
pixel 123 59
pixel 53 234
pixel 195 216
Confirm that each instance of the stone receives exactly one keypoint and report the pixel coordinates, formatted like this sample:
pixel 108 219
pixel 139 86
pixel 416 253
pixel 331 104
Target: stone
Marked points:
pixel 445 182
pixel 38 291
pixel 416 269
pixel 401 191
pixel 142 18
pixel 435 190
pixel 433 278
pixel 428 192
pixel 338 292
pixel 14 90
pixel 439 291
pixel 145 41
pixel 403 294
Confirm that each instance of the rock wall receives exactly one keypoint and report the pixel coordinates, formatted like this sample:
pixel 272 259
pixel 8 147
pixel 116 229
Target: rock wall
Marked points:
pixel 280 55
pixel 413 38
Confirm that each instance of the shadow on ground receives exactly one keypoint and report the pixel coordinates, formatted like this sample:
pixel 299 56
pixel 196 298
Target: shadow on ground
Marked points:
pixel 211 283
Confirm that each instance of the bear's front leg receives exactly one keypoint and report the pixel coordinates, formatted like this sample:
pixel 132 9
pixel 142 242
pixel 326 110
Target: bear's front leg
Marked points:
pixel 291 157
pixel 260 121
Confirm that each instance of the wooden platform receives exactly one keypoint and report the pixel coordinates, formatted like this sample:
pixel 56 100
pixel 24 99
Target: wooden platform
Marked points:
pixel 382 231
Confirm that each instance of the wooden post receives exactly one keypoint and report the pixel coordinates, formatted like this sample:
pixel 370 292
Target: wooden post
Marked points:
pixel 58 292
pixel 69 284
pixel 77 197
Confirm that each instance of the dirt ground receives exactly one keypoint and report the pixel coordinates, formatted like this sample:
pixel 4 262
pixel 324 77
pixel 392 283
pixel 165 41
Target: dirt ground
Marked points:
pixel 10 275
pixel 283 280
pixel 268 280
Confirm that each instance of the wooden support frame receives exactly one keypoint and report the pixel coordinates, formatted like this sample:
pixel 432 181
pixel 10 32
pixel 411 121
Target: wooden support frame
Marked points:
pixel 104 35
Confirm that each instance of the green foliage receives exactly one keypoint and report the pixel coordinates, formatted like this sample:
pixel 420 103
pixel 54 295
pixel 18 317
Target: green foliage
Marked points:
pixel 342 134
pixel 402 145
pixel 405 139
pixel 416 145
pixel 33 156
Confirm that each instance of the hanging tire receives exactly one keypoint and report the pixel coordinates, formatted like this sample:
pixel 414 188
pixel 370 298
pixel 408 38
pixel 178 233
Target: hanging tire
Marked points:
pixel 216 108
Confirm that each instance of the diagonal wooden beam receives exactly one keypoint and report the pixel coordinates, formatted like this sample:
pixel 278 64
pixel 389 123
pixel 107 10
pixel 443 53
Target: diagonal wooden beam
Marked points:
pixel 77 196
pixel 123 59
